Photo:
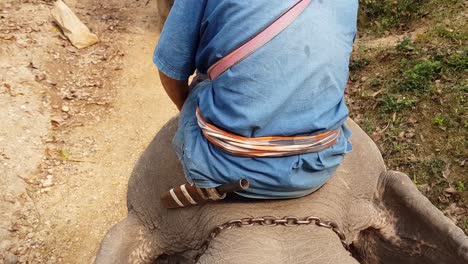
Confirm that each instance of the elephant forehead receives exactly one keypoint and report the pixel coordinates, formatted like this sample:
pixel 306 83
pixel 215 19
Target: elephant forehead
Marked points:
pixel 262 244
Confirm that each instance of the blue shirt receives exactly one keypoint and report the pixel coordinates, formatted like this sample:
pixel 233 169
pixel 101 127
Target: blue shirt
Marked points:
pixel 294 85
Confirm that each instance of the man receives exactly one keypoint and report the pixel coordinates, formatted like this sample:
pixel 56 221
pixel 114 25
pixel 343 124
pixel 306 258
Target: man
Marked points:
pixel 289 90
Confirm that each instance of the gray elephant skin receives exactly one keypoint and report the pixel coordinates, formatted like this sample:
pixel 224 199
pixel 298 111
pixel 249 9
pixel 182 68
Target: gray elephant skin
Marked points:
pixel 383 215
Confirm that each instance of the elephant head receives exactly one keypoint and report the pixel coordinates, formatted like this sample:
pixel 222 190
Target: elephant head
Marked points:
pixel 383 215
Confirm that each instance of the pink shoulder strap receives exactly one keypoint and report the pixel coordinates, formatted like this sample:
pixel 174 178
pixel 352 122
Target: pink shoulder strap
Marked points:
pixel 258 40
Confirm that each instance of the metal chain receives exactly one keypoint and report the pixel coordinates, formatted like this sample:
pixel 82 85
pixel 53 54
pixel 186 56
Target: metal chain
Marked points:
pixel 289 221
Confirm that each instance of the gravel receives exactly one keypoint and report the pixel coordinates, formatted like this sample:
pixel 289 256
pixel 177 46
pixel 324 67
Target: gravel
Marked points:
pixel 11 259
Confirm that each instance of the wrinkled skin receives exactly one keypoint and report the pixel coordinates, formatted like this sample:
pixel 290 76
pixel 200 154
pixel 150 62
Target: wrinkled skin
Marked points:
pixel 382 214
pixel 164 6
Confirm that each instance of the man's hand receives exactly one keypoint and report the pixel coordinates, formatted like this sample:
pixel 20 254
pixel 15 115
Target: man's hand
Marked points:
pixel 177 90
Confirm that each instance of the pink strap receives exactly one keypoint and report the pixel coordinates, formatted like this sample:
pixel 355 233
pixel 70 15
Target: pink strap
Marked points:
pixel 259 40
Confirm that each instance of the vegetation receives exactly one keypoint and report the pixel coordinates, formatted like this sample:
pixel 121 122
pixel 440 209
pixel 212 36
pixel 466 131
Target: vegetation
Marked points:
pixel 389 14
pixel 411 95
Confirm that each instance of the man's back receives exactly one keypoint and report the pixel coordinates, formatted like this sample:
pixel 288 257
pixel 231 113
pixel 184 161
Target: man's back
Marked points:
pixel 294 85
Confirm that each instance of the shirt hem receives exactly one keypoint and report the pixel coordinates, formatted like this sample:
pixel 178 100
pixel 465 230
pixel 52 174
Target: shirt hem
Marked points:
pixel 169 69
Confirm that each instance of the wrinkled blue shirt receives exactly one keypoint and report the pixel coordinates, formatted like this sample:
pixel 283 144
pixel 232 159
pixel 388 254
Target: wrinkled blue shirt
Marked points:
pixel 294 85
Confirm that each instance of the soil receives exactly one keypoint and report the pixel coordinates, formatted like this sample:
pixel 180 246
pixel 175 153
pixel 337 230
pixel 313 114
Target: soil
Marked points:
pixel 73 124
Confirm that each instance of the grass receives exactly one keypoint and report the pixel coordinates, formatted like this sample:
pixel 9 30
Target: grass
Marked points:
pixel 459 61
pixel 391 103
pixel 450 34
pixel 460 186
pixel 406 46
pixel 420 76
pixel 358 64
pixel 412 97
pixel 440 122
pixel 383 15
pixel 377 17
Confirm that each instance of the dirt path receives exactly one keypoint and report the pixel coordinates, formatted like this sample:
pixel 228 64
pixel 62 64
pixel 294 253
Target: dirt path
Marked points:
pixel 92 196
pixel 98 131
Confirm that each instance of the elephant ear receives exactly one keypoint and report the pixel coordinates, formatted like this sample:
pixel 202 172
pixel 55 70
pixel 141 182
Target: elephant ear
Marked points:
pixel 409 228
pixel 128 242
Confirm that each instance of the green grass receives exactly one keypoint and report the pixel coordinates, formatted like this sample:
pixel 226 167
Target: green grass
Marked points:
pixel 357 65
pixel 412 97
pixel 440 121
pixel 460 186
pixel 383 16
pixel 406 45
pixel 458 61
pixel 391 103
pixel 449 34
pixel 420 76
pixel 389 14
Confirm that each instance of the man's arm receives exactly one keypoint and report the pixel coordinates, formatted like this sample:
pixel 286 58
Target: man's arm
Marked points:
pixel 175 89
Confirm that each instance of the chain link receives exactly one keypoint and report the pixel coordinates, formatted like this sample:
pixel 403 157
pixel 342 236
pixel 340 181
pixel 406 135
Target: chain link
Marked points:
pixel 289 221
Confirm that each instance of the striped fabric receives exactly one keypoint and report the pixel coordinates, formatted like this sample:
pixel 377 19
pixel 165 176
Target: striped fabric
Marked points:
pixel 273 146
pixel 188 195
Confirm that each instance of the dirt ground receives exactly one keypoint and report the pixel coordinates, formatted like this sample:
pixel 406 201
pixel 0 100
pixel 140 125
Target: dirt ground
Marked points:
pixel 73 124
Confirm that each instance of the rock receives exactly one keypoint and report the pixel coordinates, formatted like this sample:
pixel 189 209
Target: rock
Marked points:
pixel 5 245
pixel 14 227
pixel 77 32
pixel 65 109
pixel 45 190
pixel 40 77
pixel 450 190
pixel 7 36
pixel 412 120
pixel 52 260
pixel 11 259
pixel 9 198
pixel 48 182
pixel 4 233
pixel 55 121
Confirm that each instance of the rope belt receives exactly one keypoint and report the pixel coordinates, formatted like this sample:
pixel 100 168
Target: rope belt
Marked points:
pixel 274 146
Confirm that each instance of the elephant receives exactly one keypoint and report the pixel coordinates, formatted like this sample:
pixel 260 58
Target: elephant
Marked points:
pixel 164 6
pixel 382 214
